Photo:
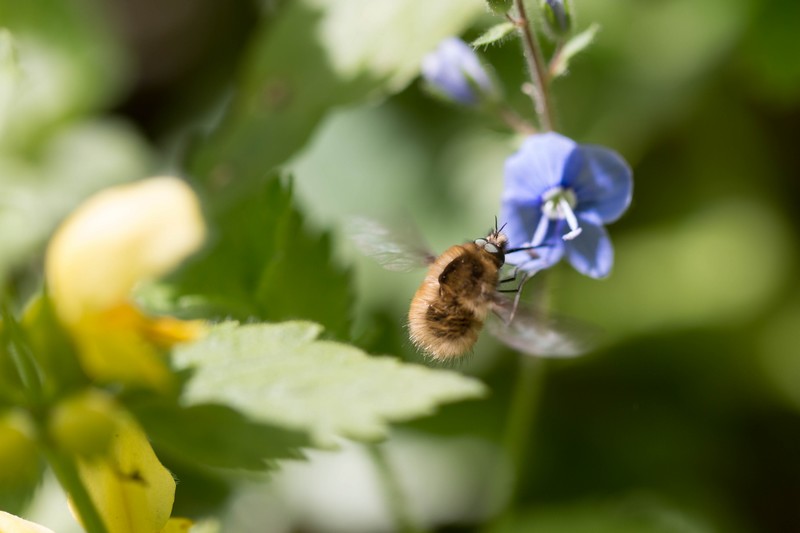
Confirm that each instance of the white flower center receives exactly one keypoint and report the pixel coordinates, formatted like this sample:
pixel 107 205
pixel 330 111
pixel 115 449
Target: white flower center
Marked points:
pixel 558 204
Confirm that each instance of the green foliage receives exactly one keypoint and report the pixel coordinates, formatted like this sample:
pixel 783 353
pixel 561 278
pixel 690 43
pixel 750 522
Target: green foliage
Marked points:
pixel 694 400
pixel 571 48
pixel 266 264
pixel 500 7
pixel 770 46
pixel 343 51
pixel 692 266
pixel 494 34
pixel 281 374
pixel 217 436
pixel 637 514
pixel 41 187
pixel 9 74
pixel 11 385
pixel 52 349
pixel 52 54
pixel 63 49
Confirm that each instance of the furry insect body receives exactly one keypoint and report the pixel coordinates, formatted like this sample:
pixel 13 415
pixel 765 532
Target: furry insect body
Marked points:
pixel 449 308
pixel 461 291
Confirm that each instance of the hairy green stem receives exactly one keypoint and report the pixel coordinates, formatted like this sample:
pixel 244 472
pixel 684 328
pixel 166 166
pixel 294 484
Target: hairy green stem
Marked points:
pixel 514 121
pixel 516 440
pixel 523 407
pixel 536 67
pixel 521 416
pixel 67 473
pixel 398 505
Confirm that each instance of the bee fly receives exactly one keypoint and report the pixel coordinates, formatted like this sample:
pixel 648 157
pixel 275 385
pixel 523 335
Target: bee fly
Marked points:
pixel 460 291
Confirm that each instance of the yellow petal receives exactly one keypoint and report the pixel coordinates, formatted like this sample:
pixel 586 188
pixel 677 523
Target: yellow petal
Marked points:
pixel 131 489
pixel 14 524
pixel 177 525
pixel 118 237
pixel 118 345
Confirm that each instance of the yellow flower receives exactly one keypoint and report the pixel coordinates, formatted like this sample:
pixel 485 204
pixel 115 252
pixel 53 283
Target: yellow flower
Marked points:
pixel 116 239
pixel 130 488
pixel 14 524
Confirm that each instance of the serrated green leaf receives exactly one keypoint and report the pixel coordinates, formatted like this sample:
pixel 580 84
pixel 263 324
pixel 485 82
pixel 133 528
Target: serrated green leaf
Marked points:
pixel 267 264
pixel 493 34
pixel 281 374
pixel 217 435
pixel 573 47
pixel 342 52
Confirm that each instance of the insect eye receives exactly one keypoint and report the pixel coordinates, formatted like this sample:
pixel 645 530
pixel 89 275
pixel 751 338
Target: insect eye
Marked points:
pixel 481 242
pixel 495 251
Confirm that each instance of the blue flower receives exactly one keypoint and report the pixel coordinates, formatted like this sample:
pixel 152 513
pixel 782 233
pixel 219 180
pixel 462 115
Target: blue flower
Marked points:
pixel 455 71
pixel 558 195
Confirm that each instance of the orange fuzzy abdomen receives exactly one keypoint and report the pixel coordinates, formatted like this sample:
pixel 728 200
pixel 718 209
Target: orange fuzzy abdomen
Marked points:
pixel 448 310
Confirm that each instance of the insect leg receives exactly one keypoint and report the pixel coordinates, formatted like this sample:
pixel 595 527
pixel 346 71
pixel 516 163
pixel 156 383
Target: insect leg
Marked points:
pixel 525 278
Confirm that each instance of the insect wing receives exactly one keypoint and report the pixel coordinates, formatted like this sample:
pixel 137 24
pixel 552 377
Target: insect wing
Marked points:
pixel 392 250
pixel 532 333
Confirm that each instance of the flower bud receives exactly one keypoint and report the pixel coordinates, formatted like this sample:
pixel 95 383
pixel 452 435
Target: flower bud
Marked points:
pixel 499 7
pixel 19 461
pixel 129 487
pixel 557 16
pixel 85 423
pixel 454 71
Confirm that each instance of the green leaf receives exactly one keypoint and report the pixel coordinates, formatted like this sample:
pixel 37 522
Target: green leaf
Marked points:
pixel 9 75
pixel 499 7
pixel 267 264
pixel 768 52
pixel 281 374
pixel 315 55
pixel 573 47
pixel 493 34
pixel 633 514
pixel 217 436
pixel 52 348
pixel 63 48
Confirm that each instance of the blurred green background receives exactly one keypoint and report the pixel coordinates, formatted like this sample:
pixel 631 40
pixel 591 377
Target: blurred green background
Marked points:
pixel 686 419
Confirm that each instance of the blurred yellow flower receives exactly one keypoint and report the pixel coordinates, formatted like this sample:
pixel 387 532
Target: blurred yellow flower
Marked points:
pixel 117 238
pixel 130 488
pixel 14 524
pixel 178 525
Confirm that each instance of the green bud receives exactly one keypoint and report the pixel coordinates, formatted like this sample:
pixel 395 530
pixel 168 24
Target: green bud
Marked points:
pixel 84 424
pixel 557 16
pixel 499 7
pixel 19 459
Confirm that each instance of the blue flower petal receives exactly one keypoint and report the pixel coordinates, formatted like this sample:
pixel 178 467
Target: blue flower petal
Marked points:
pixel 540 164
pixel 541 258
pixel 521 223
pixel 451 66
pixel 591 253
pixel 604 183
